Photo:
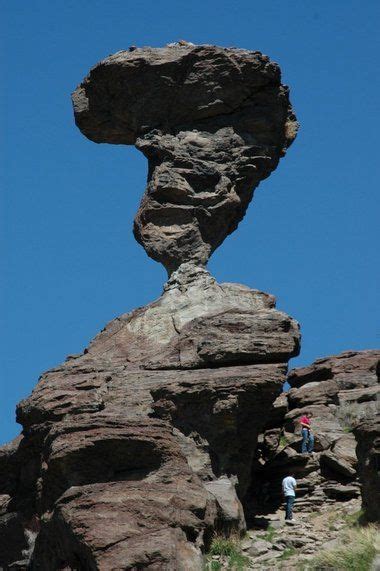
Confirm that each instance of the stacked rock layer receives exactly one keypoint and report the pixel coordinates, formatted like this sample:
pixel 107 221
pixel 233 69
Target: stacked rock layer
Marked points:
pixel 213 122
pixel 133 452
pixel 342 392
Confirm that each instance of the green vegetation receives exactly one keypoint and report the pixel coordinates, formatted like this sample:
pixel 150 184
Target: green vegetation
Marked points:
pixel 238 562
pixel 283 441
pixel 229 549
pixel 288 552
pixel 270 534
pixel 356 553
pixel 354 519
pixel 224 545
pixel 213 566
pixel 333 517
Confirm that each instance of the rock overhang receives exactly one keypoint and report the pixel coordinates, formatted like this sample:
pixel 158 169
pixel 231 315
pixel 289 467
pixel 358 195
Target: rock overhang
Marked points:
pixel 213 122
pixel 132 92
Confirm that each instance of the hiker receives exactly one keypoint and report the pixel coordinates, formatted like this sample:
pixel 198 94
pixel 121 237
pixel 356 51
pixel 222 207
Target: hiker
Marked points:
pixel 289 485
pixel 307 434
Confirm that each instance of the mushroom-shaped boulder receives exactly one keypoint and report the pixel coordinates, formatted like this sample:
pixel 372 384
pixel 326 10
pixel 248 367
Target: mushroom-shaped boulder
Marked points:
pixel 213 122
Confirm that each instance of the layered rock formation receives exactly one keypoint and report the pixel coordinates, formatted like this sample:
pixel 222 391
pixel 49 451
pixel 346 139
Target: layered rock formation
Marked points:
pixel 213 122
pixel 367 434
pixel 341 391
pixel 133 452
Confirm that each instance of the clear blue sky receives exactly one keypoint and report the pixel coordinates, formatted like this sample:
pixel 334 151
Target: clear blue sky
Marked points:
pixel 69 260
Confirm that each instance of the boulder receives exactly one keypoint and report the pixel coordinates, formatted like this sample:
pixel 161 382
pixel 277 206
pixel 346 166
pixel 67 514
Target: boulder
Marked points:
pixel 316 393
pixel 229 507
pixel 341 492
pixel 213 122
pixel 259 547
pixel 345 449
pixel 337 464
pixel 351 369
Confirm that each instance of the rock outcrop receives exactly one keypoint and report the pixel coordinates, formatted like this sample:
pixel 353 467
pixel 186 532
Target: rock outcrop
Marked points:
pixel 213 122
pixel 136 450
pixel 341 391
pixel 171 424
pixel 367 434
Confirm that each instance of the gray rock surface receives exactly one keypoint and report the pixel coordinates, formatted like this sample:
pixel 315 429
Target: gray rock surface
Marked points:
pixel 199 323
pixel 213 122
pixel 137 449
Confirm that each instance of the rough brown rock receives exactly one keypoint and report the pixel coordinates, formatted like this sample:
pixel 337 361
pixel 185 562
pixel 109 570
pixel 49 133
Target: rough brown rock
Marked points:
pixel 367 434
pixel 350 369
pixel 136 450
pixel 213 122
pixel 340 391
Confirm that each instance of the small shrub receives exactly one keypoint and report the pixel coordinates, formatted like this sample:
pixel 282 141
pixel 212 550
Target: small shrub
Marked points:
pixel 224 545
pixel 332 519
pixel 238 562
pixel 288 552
pixel 270 534
pixel 229 549
pixel 354 519
pixel 356 553
pixel 213 566
pixel 347 429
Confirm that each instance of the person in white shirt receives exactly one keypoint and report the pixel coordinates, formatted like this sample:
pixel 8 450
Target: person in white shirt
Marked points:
pixel 289 486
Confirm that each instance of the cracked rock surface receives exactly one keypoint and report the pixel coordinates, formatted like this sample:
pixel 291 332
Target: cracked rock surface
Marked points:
pixel 133 452
pixel 213 122
pixel 342 391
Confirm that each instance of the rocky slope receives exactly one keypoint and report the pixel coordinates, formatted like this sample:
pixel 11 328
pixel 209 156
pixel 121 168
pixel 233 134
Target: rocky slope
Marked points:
pixel 340 391
pixel 295 547
pixel 136 450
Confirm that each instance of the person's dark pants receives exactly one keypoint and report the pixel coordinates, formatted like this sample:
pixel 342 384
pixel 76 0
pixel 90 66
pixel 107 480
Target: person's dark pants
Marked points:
pixel 289 501
pixel 307 441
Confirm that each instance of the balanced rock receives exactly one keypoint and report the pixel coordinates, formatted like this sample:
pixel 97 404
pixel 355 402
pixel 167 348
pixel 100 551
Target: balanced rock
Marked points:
pixel 213 122
pixel 136 450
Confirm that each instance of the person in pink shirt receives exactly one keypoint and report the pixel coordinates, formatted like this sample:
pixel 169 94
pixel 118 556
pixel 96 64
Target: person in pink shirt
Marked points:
pixel 307 433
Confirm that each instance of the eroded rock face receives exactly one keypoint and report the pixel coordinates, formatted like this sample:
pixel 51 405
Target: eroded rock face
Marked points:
pixel 213 122
pixel 367 434
pixel 136 450
pixel 341 391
